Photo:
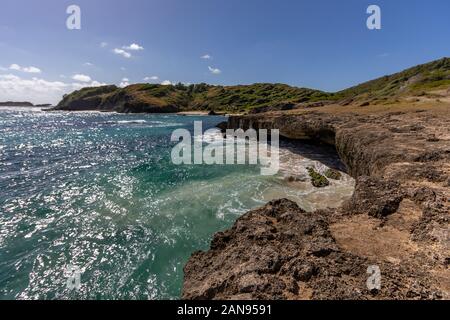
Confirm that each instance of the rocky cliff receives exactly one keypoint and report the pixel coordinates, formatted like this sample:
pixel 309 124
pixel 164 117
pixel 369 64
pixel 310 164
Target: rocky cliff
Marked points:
pixel 397 219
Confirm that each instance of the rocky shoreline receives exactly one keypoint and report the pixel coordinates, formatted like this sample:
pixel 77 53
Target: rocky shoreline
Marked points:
pixel 397 218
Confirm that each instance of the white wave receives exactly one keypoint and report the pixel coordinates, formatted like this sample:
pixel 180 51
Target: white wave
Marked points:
pixel 131 121
pixel 21 109
pixel 151 124
pixel 210 137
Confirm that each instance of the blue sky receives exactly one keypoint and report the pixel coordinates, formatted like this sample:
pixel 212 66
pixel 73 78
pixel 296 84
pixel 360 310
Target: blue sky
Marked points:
pixel 322 44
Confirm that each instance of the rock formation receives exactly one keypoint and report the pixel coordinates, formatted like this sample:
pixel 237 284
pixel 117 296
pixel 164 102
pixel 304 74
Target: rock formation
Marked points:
pixel 396 220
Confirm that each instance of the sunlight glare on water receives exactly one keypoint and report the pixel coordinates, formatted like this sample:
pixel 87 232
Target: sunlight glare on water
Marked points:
pixel 98 191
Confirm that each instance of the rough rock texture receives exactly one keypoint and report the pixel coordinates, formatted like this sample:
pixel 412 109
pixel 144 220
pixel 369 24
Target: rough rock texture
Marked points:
pixel 397 218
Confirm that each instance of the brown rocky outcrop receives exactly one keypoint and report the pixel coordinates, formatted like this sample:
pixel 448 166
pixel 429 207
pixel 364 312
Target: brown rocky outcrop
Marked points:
pixel 397 218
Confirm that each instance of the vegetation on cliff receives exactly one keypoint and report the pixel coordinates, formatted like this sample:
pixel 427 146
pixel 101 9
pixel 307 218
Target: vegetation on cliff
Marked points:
pixel 421 80
pixel 173 98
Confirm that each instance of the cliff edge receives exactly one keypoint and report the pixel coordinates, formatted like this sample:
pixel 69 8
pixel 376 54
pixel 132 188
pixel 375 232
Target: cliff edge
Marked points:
pixel 397 220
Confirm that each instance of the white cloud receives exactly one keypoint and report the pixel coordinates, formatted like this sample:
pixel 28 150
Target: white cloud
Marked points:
pixel 215 70
pixel 103 44
pixel 124 83
pixel 88 64
pixel 152 78
pixel 123 68
pixel 206 57
pixel 15 67
pixel 78 86
pixel 82 78
pixel 3 68
pixel 30 69
pixel 166 83
pixel 122 53
pixel 36 90
pixel 133 47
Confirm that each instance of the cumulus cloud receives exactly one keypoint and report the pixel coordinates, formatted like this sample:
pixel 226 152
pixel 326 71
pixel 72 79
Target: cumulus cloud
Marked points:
pixel 166 83
pixel 152 78
pixel 88 64
pixel 124 83
pixel 15 67
pixel 214 70
pixel 133 47
pixel 30 69
pixel 81 78
pixel 206 57
pixel 103 44
pixel 78 86
pixel 122 53
pixel 36 90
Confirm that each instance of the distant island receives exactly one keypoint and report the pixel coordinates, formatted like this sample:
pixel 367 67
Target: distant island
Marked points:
pixel 23 104
pixel 16 104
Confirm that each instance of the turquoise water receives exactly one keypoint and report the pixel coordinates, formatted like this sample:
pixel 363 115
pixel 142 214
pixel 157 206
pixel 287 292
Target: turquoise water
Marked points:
pixel 99 191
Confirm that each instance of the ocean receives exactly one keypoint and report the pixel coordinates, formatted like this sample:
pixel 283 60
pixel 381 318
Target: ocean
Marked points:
pixel 98 193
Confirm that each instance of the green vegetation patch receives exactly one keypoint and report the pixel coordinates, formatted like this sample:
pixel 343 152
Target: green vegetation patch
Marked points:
pixel 318 180
pixel 262 97
pixel 333 174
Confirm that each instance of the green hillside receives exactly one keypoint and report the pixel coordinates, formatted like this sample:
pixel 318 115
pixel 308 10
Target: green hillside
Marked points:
pixel 419 80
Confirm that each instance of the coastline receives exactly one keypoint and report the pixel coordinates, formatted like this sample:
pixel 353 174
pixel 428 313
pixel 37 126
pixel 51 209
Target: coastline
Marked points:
pixel 192 113
pixel 206 113
pixel 112 158
pixel 397 218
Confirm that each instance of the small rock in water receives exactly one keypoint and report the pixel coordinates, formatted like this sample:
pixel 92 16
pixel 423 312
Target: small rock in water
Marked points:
pixel 318 180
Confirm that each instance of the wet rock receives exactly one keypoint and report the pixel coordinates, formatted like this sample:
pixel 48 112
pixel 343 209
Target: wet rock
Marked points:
pixel 318 180
pixel 223 126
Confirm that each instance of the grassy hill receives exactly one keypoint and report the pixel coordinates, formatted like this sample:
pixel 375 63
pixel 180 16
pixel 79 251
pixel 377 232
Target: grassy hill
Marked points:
pixel 417 81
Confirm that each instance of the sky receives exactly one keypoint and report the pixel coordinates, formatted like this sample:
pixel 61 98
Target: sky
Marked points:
pixel 320 44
